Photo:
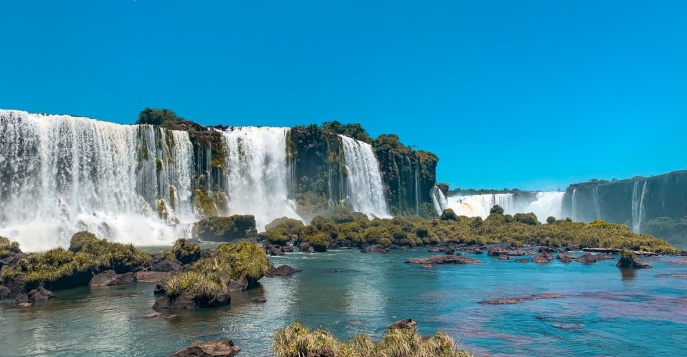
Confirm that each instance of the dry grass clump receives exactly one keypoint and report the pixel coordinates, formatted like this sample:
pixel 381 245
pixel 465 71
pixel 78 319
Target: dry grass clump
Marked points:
pixel 7 247
pixel 299 341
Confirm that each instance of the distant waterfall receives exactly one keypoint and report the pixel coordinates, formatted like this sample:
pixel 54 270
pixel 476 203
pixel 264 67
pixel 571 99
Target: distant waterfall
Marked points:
pixel 365 189
pixel 257 174
pixel 595 197
pixel 547 203
pixel 637 206
pixel 573 210
pixel 61 174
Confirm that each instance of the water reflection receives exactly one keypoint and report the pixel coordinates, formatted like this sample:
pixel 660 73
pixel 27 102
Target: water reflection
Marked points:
pixel 628 274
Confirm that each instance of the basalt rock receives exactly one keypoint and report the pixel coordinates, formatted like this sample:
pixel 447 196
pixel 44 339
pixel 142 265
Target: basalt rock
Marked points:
pixel 109 277
pixel 444 259
pixel 589 258
pixel 565 257
pixel 213 348
pixel 186 301
pixel 543 258
pixel 39 294
pixel 167 266
pixel 403 324
pixel 4 292
pixel 375 248
pixel 151 276
pixel 282 270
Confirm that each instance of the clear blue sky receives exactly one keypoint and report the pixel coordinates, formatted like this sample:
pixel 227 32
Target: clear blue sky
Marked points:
pixel 527 94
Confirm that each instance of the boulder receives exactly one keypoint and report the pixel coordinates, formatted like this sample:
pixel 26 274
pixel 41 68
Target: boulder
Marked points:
pixel 223 347
pixel 151 276
pixel 21 299
pixel 522 260
pixel 4 292
pixel 186 301
pixel 543 258
pixel 274 250
pixel 39 294
pixel 375 248
pixel 403 324
pixel 109 278
pixel 588 258
pixel 282 270
pixel 305 247
pixel 159 289
pixel 225 229
pixel 566 257
pixel 627 261
pixel 167 266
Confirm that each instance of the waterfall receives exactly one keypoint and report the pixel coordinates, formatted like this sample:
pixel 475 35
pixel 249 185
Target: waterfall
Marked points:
pixel 595 197
pixel 480 205
pixel 573 210
pixel 365 189
pixel 547 203
pixel 62 174
pixel 438 199
pixel 638 206
pixel 257 174
pixel 417 192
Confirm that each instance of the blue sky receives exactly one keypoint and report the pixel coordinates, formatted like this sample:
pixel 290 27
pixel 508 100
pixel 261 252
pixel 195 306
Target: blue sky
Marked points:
pixel 527 94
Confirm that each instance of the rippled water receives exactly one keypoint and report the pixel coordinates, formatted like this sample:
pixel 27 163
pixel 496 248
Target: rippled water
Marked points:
pixel 604 312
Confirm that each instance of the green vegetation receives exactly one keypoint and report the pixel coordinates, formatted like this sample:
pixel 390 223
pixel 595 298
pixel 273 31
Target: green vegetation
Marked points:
pixel 183 251
pixel 518 230
pixel 7 247
pixel 297 341
pixel 224 229
pixel 87 255
pixel 280 230
pixel 209 277
pixel 673 230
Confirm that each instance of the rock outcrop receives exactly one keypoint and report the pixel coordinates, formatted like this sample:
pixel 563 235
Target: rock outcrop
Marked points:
pixel 444 259
pixel 223 347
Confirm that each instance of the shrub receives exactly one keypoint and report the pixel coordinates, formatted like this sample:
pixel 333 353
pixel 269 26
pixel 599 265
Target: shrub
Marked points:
pixel 184 251
pixel 7 247
pixel 448 215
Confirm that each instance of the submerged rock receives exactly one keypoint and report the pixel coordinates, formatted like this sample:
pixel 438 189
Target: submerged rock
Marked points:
pixel 282 270
pixel 223 347
pixel 444 259
pixel 403 324
pixel 674 275
pixel 515 300
pixel 39 294
pixel 259 300
pixel 4 292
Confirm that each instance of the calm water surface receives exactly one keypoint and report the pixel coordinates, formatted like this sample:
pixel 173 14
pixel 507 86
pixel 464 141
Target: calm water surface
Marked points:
pixel 604 313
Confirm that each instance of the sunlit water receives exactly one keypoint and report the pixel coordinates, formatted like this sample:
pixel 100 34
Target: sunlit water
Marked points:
pixel 603 313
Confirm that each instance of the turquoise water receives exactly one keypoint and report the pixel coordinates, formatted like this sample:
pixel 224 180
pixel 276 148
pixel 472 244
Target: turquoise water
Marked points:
pixel 603 313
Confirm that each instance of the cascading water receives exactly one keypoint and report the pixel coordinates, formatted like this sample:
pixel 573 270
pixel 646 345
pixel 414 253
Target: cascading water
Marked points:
pixel 257 173
pixel 638 206
pixel 595 197
pixel 365 189
pixel 547 203
pixel 573 210
pixel 438 200
pixel 62 174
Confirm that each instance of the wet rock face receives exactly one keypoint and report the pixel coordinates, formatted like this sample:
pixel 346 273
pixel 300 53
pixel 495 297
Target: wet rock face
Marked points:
pixel 109 278
pixel 282 270
pixel 186 301
pixel 403 324
pixel 589 258
pixel 223 347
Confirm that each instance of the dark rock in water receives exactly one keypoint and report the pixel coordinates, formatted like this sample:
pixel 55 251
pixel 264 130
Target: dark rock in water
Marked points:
pixel 186 301
pixel 522 260
pixel 545 249
pixel 21 298
pixel 627 261
pixel 225 229
pixel 337 271
pixel 508 301
pixel 4 292
pixel 151 276
pixel 675 275
pixel 478 251
pixel 159 289
pixel 109 277
pixel 259 300
pixel 375 248
pixel 239 284
pixel 274 250
pixel 39 294
pixel 443 259
pixel 451 252
pixel 223 347
pixel 543 258
pixel 566 257
pixel 403 324
pixel 679 262
pixel 588 258
pixel 504 257
pixel 305 247
pixel 282 270
pixel 167 266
